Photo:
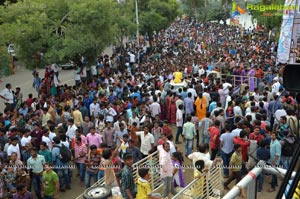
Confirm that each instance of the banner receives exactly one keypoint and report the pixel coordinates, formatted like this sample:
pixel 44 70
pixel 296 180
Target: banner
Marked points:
pixel 295 44
pixel 285 39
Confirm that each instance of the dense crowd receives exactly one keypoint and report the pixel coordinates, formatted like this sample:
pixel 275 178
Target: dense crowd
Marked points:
pixel 230 107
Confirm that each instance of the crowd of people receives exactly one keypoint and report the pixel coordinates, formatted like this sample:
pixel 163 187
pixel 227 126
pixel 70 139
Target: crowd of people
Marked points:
pixel 114 115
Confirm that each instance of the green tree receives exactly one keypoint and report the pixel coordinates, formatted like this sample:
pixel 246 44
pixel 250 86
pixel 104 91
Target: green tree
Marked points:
pixel 124 21
pixel 61 29
pixel 157 15
pixel 205 10
pixel 4 60
pixel 193 8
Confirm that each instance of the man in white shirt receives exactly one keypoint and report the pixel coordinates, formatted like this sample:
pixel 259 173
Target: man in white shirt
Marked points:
pixel 77 79
pixel 179 122
pixel 133 119
pixel 120 119
pixel 46 139
pixel 8 96
pixel 131 60
pixel 193 91
pixel 111 113
pixel 237 111
pixel 236 132
pixel 201 70
pixel 52 134
pixel 71 132
pixel 94 108
pixel 26 138
pixel 147 141
pixel 200 156
pixel 275 86
pixel 172 146
pixel 207 95
pixel 166 169
pixel 195 70
pixel 280 112
pixel 14 147
pixel 154 108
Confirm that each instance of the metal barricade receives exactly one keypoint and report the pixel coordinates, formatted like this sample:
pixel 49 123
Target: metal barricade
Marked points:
pixel 237 80
pixel 151 162
pixel 249 181
pixel 210 186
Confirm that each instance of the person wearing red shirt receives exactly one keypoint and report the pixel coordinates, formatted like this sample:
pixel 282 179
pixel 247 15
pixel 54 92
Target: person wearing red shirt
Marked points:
pixel 242 140
pixel 256 135
pixel 259 73
pixel 167 129
pixel 29 100
pixel 214 140
pixel 244 144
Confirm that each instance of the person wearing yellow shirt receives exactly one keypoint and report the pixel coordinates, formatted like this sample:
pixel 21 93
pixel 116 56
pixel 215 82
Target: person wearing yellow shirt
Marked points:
pixel 78 120
pixel 200 174
pixel 177 77
pixel 297 192
pixel 235 166
pixel 143 186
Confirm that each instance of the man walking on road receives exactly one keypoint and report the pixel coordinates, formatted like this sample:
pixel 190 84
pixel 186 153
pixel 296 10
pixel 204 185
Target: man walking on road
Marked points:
pixel 8 95
pixel 189 132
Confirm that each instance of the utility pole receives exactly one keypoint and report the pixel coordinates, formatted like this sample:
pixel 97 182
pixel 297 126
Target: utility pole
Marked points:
pixel 137 29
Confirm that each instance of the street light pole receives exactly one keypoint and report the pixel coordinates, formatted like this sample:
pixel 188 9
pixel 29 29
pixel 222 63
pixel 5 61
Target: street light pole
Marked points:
pixel 137 29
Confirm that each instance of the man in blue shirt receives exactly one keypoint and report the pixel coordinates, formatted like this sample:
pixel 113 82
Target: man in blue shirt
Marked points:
pixel 120 133
pixel 274 105
pixel 135 93
pixel 262 153
pixel 275 152
pixel 226 140
pixel 61 167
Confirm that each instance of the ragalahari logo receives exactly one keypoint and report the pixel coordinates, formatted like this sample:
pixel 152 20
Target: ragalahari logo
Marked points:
pixel 237 10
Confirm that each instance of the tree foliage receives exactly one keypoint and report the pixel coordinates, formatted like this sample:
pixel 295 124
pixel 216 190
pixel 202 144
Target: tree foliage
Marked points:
pixel 60 29
pixel 205 10
pixel 124 21
pixel 193 8
pixel 157 14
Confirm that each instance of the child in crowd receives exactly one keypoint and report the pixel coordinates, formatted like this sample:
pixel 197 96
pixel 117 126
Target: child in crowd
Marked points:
pixel 199 173
pixel 178 175
pixel 143 186
pixel 235 166
pixel 124 146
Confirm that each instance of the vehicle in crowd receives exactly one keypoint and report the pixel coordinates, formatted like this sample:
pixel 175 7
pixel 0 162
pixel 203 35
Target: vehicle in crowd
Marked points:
pixel 68 65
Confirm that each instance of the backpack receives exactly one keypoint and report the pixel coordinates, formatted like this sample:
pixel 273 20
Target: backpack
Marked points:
pixel 288 145
pixel 65 154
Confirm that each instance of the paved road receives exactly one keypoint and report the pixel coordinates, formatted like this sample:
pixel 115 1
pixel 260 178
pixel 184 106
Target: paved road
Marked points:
pixel 24 79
